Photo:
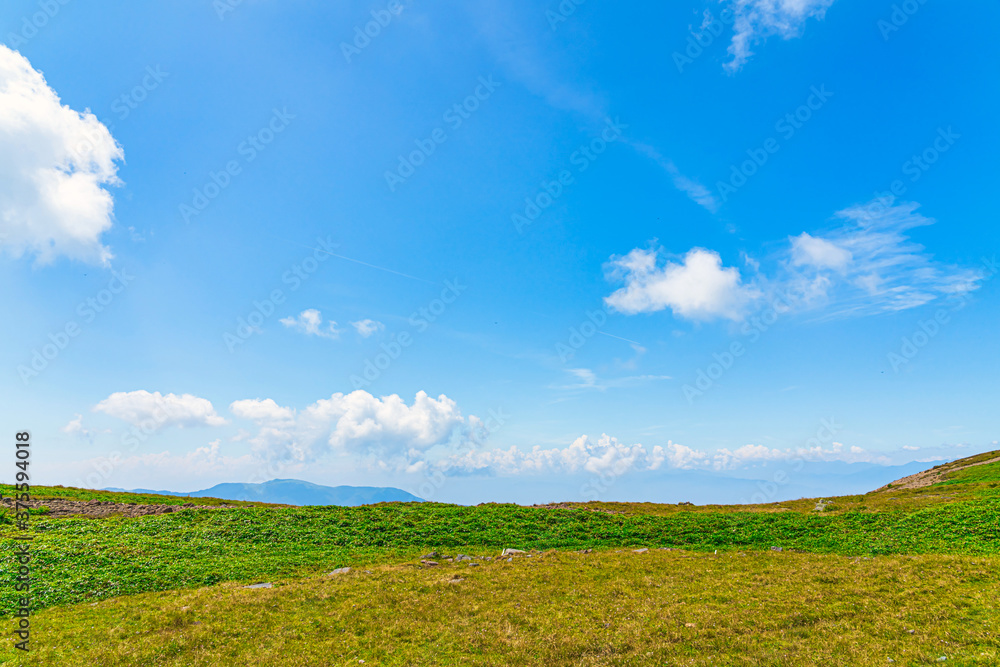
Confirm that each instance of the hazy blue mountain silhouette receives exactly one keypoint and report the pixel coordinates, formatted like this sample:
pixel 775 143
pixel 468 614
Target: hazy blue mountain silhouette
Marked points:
pixel 294 492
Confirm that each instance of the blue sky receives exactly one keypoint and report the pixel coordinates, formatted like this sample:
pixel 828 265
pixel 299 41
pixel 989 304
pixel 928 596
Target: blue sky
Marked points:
pixel 497 252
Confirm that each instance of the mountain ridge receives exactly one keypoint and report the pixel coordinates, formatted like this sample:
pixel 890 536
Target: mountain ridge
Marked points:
pixel 292 492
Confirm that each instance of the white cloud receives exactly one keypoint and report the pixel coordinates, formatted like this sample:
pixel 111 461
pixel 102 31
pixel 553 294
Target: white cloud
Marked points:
pixel 756 20
pixel 154 411
pixel 819 253
pixel 310 322
pixel 75 426
pixel 357 423
pixel 362 422
pixel 680 456
pixel 54 165
pixel 368 327
pixel 76 429
pixel 261 410
pixel 697 288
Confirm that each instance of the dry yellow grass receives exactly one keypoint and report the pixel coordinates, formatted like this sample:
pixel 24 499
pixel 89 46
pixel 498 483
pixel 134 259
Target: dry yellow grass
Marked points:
pixel 604 608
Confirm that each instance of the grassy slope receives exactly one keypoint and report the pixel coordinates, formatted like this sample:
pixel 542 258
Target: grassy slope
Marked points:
pixel 85 559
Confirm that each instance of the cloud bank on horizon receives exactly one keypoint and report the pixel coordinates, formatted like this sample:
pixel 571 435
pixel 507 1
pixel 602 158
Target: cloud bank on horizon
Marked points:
pixel 429 435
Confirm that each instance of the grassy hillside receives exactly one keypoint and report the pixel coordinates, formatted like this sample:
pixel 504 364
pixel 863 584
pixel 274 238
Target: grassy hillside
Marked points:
pixel 860 568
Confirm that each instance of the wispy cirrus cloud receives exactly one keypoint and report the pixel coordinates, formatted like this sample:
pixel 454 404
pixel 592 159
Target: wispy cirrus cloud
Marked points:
pixel 367 327
pixel 871 265
pixel 518 46
pixel 756 20
pixel 585 378
pixel 867 265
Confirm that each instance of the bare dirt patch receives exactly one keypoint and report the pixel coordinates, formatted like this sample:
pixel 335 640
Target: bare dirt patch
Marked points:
pixel 571 506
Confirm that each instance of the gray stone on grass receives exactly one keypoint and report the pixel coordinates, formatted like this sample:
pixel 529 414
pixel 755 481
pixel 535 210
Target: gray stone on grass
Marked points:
pixel 339 570
pixel 265 585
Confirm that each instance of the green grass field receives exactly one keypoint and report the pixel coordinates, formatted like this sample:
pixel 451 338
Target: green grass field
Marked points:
pixel 849 585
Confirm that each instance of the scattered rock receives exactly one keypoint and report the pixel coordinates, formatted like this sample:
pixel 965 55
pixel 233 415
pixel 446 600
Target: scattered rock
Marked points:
pixel 339 570
pixel 777 549
pixel 685 503
pixel 585 551
pixel 265 585
pixel 507 552
pixel 510 560
pixel 640 551
pixel 690 625
pixel 431 555
pixel 429 563
pixel 450 560
pixel 455 580
pixel 462 557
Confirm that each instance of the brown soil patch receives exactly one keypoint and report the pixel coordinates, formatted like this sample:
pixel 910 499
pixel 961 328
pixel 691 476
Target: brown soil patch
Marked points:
pixel 568 506
pixel 102 508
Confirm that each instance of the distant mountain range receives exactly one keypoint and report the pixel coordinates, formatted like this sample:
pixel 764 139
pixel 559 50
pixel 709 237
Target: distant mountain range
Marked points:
pixel 294 492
